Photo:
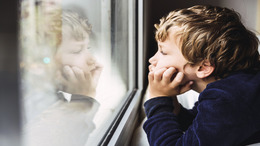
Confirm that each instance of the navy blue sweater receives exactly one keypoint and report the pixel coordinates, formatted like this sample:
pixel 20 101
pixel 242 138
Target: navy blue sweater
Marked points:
pixel 227 114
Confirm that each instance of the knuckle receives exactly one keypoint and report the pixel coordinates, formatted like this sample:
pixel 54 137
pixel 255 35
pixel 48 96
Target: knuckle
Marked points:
pixel 177 80
pixel 156 74
pixel 167 75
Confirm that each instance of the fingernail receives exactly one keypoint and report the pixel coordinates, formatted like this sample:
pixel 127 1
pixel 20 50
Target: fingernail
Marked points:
pixel 179 76
pixel 172 68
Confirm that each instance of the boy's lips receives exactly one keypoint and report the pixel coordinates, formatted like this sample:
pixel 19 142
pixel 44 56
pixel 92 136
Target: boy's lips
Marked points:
pixel 92 67
pixel 95 68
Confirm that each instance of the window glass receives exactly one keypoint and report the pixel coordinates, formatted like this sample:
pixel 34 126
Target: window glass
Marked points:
pixel 74 69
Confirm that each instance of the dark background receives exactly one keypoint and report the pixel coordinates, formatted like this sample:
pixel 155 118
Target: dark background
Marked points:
pixel 9 91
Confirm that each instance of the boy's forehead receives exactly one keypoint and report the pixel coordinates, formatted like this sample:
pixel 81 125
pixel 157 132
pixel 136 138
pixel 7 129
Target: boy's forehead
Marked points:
pixel 173 34
pixel 69 33
pixel 174 31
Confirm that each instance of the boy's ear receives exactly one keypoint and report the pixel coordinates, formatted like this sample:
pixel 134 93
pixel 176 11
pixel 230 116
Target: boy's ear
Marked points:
pixel 205 69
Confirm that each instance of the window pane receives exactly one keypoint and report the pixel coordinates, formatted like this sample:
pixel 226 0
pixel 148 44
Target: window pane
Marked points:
pixel 74 69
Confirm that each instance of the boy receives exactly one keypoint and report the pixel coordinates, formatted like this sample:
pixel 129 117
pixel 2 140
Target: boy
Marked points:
pixel 209 50
pixel 79 71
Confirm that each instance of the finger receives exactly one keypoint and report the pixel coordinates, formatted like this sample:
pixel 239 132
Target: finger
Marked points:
pixel 151 76
pixel 68 73
pixel 186 87
pixel 167 75
pixel 88 75
pixel 158 74
pixel 177 80
pixel 79 74
pixel 150 67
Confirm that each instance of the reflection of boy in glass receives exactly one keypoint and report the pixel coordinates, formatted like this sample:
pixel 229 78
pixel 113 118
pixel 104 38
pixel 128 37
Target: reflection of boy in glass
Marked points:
pixel 69 122
pixel 78 69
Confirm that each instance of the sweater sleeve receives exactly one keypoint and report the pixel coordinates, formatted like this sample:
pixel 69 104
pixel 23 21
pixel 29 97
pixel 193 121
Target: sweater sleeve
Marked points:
pixel 186 116
pixel 159 118
pixel 162 126
pixel 217 122
pixel 158 105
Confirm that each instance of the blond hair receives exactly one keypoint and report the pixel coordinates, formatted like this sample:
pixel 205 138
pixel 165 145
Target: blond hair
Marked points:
pixel 213 33
pixel 80 28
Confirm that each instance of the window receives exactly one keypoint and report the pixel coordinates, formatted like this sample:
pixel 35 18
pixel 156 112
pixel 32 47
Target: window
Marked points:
pixel 77 69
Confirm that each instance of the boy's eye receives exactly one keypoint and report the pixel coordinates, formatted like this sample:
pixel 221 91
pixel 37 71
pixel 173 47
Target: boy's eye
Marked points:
pixel 77 51
pixel 163 53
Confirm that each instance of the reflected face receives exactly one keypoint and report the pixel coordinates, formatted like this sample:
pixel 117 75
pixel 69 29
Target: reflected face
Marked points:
pixel 78 71
pixel 169 55
pixel 75 53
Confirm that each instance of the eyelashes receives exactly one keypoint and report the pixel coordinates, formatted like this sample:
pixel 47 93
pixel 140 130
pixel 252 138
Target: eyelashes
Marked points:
pixel 163 53
pixel 79 50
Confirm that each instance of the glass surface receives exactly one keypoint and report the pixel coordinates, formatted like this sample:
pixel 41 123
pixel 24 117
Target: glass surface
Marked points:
pixel 74 69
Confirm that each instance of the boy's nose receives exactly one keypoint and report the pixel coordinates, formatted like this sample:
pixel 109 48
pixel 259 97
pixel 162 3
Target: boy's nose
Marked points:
pixel 152 60
pixel 91 60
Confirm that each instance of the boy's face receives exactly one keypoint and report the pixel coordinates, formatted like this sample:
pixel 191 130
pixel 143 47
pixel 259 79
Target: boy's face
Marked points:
pixel 75 53
pixel 78 71
pixel 169 55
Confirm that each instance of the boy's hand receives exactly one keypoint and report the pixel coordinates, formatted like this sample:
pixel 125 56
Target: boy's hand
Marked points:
pixel 75 81
pixel 163 83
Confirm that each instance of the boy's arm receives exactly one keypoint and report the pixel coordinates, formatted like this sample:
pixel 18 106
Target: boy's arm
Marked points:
pixel 186 116
pixel 162 126
pixel 216 122
pixel 163 104
pixel 211 125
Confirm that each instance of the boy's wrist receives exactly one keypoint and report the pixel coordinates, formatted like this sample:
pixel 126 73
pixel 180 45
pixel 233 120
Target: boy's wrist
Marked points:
pixel 155 95
pixel 90 94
